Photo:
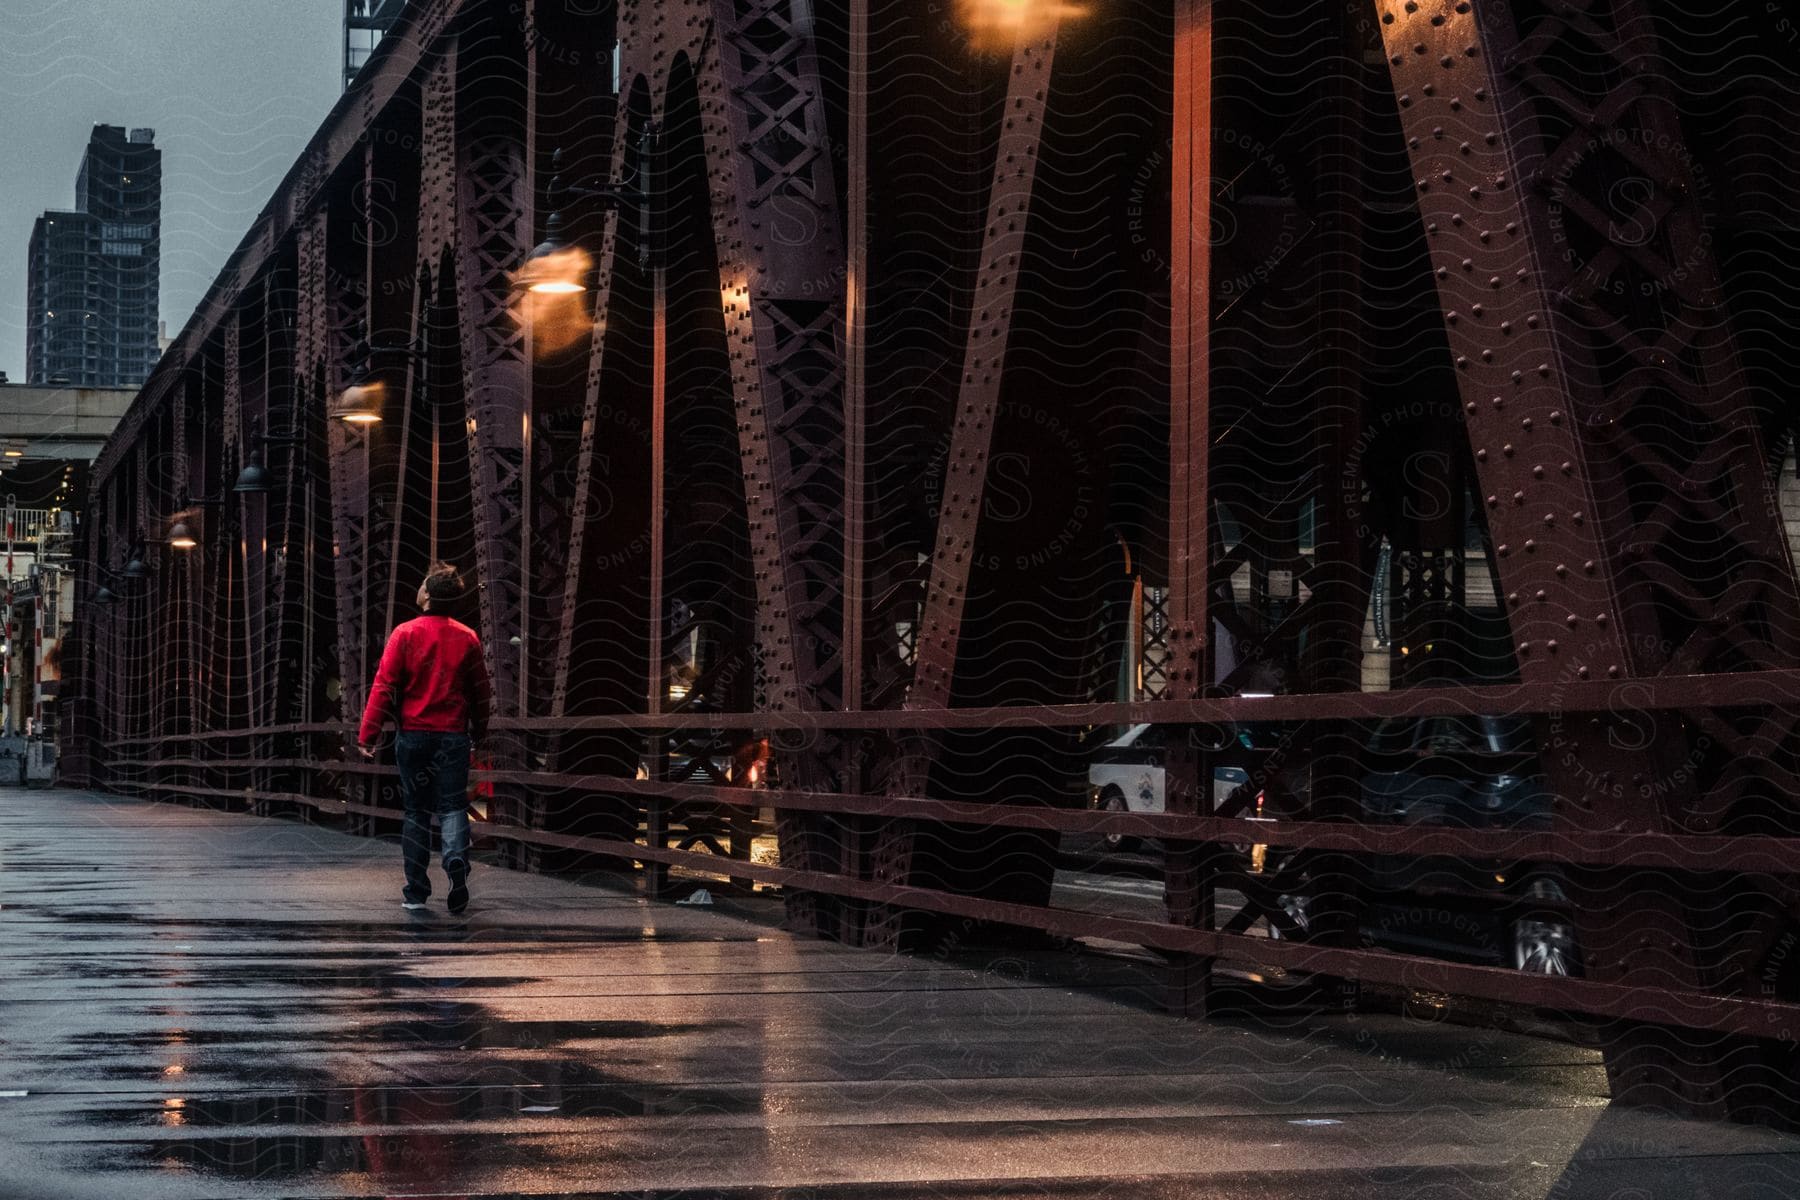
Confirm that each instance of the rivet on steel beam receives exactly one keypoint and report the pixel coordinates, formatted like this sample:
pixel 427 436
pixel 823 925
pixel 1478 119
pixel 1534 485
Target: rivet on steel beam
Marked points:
pixel 1481 456
pixel 1613 672
pixel 1419 48
pixel 1525 424
pixel 1506 328
pixel 1429 90
pixel 1469 406
pixel 1412 143
pixel 1512 597
pixel 1494 281
pixel 1550 645
pixel 1503 549
pixel 1537 472
pixel 1518 497
pixel 1567 468
pixel 1588 566
pixel 1540 595
pixel 1446 62
pixel 1438 19
pixel 1476 309
pixel 1484 235
pixel 1445 177
pixel 1455 104
pixel 1451 317
pixel 1530 545
pixel 1456 219
pixel 1462 6
pixel 1562 570
pixel 1581 672
pixel 1524 647
pixel 1487 356
pixel 1387 18
pixel 1462 362
pixel 1497 402
pixel 1493 501
pixel 1507 450
pixel 1600 619
pixel 1481 93
pixel 1468 264
pixel 1437 131
pixel 1575 518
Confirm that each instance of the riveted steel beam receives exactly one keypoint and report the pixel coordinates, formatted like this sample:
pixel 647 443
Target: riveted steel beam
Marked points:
pixel 1564 385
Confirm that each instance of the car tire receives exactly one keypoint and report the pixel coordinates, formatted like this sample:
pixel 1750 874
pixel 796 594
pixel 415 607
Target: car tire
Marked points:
pixel 1544 943
pixel 1298 907
pixel 1113 801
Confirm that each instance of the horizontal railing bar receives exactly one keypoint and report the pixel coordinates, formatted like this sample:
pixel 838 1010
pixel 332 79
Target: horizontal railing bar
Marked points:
pixel 1691 1010
pixel 1632 1002
pixel 1748 689
pixel 1668 851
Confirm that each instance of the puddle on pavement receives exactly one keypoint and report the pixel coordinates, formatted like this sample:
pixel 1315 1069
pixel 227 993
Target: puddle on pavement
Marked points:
pixel 417 1159
pixel 380 977
pixel 473 929
pixel 447 1026
pixel 391 1144
pixel 552 1094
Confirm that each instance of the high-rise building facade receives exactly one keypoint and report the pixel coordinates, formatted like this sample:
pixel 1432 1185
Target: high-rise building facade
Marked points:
pixel 95 271
pixel 365 21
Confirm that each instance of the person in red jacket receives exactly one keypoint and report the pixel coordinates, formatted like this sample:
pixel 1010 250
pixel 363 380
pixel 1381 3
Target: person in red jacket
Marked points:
pixel 434 684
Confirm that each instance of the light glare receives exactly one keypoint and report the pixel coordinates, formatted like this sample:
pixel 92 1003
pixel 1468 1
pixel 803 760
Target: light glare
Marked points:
pixel 1001 24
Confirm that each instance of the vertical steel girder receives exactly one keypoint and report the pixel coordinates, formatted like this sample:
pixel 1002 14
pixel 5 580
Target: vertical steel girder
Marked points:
pixel 348 463
pixel 984 363
pixel 779 240
pixel 1571 387
pixel 651 41
pixel 494 234
pixel 1190 321
pixel 891 855
pixel 1190 874
pixel 589 464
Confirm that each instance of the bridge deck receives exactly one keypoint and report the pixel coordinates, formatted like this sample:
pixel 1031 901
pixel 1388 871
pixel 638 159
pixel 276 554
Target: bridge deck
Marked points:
pixel 199 1004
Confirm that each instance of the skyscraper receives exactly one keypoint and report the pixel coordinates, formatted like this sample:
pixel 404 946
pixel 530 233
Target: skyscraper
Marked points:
pixel 92 294
pixel 365 21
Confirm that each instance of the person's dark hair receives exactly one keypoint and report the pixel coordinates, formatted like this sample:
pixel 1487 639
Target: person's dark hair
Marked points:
pixel 443 584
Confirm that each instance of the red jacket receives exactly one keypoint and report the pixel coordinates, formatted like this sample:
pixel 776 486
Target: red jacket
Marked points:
pixel 431 680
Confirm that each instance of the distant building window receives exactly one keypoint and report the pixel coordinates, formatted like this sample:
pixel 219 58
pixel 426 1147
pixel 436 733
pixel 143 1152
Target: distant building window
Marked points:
pixel 116 232
pixel 127 248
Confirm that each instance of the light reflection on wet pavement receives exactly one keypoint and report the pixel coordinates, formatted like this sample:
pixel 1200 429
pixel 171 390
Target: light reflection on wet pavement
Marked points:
pixel 204 1005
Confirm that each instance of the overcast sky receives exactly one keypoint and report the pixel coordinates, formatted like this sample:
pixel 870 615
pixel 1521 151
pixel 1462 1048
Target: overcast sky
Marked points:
pixel 233 89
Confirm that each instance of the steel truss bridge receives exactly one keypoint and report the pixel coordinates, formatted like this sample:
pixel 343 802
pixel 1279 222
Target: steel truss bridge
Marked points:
pixel 942 335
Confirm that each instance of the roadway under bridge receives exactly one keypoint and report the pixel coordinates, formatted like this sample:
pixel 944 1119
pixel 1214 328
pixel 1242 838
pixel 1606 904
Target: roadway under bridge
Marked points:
pixel 1300 492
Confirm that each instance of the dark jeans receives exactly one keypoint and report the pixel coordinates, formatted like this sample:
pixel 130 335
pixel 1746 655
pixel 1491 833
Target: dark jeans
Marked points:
pixel 434 778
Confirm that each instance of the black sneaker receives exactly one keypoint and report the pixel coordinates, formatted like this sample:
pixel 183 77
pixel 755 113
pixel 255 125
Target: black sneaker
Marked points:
pixel 459 886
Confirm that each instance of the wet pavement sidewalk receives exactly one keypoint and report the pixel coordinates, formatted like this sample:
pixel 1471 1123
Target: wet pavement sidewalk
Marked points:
pixel 195 1004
